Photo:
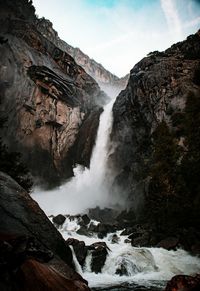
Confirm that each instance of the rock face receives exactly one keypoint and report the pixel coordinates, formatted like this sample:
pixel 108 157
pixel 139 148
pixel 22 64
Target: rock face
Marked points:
pixel 20 214
pixel 108 82
pixel 28 240
pixel 156 124
pixel 46 96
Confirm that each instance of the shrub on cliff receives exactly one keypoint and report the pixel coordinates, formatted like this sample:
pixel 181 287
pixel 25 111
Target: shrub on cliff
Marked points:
pixel 174 189
pixel 164 172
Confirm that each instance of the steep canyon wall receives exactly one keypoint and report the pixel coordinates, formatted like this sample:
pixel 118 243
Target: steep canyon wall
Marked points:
pixel 45 96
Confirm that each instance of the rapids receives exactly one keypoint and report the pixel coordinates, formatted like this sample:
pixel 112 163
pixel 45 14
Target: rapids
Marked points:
pixel 147 267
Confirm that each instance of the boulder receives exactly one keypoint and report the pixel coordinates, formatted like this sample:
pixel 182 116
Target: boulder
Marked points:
pixel 36 276
pixel 103 229
pixel 169 243
pixel 128 231
pixel 99 254
pixel 84 220
pixel 59 219
pixel 184 283
pixel 27 265
pixel 21 215
pixel 105 215
pixel 115 239
pixel 126 219
pixel 122 270
pixel 141 241
pixel 92 227
pixel 80 249
pixel 83 230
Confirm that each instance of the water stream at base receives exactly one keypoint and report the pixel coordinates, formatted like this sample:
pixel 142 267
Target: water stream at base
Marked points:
pixel 147 268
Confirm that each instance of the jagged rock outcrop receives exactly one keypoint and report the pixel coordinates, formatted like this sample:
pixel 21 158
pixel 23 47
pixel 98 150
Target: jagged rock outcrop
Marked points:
pixel 155 137
pixel 28 240
pixel 108 82
pixel 46 96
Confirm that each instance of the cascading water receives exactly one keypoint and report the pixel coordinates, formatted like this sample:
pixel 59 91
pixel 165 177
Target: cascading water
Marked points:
pixel 147 267
pixel 88 187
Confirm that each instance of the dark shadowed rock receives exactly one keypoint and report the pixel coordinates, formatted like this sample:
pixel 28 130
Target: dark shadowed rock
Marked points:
pixel 27 235
pixel 36 276
pixel 20 214
pixel 103 229
pixel 128 231
pixel 83 230
pixel 92 227
pixel 126 219
pixel 184 283
pixel 141 241
pixel 80 249
pixel 99 254
pixel 169 243
pixel 121 270
pixel 59 219
pixel 105 215
pixel 85 219
pixel 115 239
pixel 153 116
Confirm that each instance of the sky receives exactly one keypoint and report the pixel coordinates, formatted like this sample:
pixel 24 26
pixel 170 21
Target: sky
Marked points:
pixel 119 33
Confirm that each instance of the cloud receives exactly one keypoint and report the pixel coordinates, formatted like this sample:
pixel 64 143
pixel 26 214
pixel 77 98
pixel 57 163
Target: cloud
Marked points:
pixel 193 22
pixel 172 16
pixel 119 35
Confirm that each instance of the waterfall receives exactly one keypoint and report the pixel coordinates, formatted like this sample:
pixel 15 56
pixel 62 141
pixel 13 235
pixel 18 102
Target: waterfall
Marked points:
pixel 88 188
pixel 76 263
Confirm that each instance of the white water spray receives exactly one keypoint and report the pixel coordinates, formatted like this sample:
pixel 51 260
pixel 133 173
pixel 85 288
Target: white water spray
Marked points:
pixel 88 188
pixel 144 266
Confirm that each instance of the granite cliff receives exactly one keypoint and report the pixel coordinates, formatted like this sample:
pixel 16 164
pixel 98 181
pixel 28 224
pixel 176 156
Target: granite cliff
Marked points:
pixel 155 137
pixel 110 83
pixel 45 96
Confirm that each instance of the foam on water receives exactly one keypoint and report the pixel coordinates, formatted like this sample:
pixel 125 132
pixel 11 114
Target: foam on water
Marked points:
pixel 146 266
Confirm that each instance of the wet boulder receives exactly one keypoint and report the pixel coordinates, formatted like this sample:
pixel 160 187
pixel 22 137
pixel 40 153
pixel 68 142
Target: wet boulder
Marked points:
pixel 126 219
pixel 121 270
pixel 36 276
pixel 105 215
pixel 59 219
pixel 103 229
pixel 83 230
pixel 169 243
pixel 21 215
pixel 80 249
pixel 85 219
pixel 99 255
pixel 27 265
pixel 184 283
pixel 128 231
pixel 141 241
pixel 92 227
pixel 114 239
